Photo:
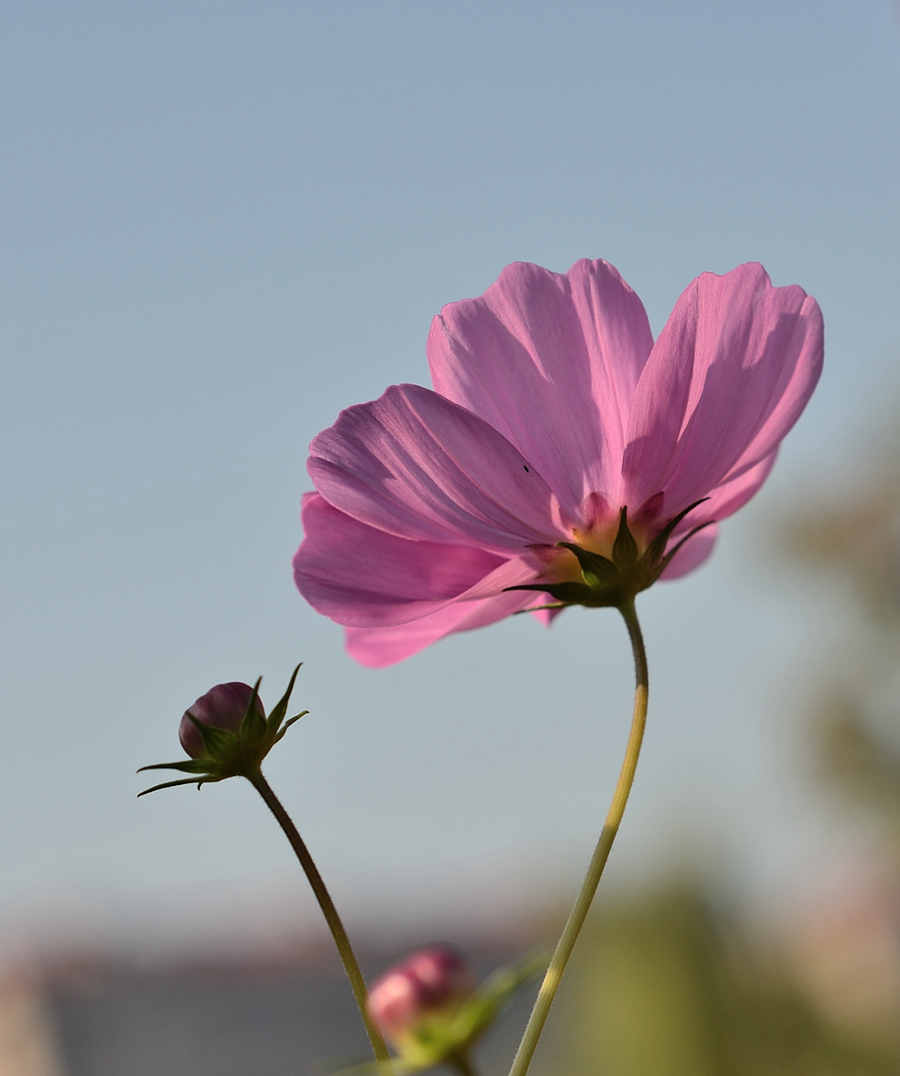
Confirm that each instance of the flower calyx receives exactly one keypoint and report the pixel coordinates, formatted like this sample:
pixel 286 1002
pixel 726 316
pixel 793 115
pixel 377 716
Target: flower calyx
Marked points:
pixel 614 582
pixel 227 733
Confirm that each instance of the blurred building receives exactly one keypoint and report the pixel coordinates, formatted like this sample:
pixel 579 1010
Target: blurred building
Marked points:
pixel 28 1039
pixel 664 983
pixel 270 1017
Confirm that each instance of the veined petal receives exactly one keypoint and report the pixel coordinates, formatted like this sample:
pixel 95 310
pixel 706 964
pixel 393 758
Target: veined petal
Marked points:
pixel 721 503
pixel 359 575
pixel 418 466
pixel 553 411
pixel 552 362
pixel 378 647
pixel 730 374
pixel 692 554
pixel 734 492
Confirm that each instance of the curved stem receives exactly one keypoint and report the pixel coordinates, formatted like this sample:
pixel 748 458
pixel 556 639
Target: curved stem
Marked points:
pixel 348 957
pixel 601 853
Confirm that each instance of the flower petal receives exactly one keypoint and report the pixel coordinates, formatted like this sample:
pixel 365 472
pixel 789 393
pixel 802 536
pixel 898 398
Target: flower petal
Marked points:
pixel 692 554
pixel 734 493
pixel 730 374
pixel 379 647
pixel 720 504
pixel 362 576
pixel 418 466
pixel 552 362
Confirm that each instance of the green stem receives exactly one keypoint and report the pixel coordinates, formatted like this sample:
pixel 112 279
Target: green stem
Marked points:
pixel 348 957
pixel 601 853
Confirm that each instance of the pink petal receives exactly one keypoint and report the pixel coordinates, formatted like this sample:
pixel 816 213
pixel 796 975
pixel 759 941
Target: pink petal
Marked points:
pixel 358 575
pixel 722 502
pixel 545 616
pixel 418 466
pixel 728 377
pixel 551 362
pixel 379 647
pixel 692 554
pixel 734 493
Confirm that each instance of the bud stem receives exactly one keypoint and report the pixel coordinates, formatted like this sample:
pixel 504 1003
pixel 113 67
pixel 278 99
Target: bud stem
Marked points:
pixel 585 896
pixel 345 949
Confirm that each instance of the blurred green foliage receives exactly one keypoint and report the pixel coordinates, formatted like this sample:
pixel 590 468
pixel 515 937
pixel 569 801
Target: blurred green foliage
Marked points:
pixel 663 986
pixel 851 545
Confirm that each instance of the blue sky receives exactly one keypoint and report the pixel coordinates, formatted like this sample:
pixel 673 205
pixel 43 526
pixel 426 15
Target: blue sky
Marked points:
pixel 224 222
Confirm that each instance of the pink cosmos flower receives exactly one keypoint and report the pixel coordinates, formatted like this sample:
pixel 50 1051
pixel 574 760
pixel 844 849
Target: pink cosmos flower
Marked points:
pixel 553 411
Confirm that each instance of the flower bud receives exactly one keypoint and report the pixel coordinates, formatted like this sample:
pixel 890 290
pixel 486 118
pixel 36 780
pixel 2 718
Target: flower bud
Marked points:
pixel 417 999
pixel 225 737
pixel 223 707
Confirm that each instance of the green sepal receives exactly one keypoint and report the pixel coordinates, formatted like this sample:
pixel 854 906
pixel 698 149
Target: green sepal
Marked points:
pixel 253 727
pixel 191 765
pixel 198 781
pixel 615 582
pixel 273 721
pixel 596 570
pixel 486 1004
pixel 655 551
pixel 218 743
pixel 566 593
pixel 625 549
pixel 594 597
pixel 290 722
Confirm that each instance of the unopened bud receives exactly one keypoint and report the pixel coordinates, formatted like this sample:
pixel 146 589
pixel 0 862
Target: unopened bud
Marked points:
pixel 222 707
pixel 418 998
pixel 227 734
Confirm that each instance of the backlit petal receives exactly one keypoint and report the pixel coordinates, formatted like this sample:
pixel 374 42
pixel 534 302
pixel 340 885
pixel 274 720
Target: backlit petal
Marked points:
pixel 552 362
pixel 362 576
pixel 692 554
pixel 385 646
pixel 734 493
pixel 720 504
pixel 728 377
pixel 418 466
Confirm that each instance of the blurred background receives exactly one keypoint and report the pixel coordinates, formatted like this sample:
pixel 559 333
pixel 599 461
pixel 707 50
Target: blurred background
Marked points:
pixel 224 222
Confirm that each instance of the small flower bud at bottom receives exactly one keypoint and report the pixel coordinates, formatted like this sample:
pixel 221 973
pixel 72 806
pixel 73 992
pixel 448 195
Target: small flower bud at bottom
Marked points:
pixel 420 994
pixel 223 707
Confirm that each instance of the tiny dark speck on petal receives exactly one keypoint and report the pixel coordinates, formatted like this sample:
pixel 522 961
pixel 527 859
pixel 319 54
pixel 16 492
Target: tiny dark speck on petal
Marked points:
pixel 526 468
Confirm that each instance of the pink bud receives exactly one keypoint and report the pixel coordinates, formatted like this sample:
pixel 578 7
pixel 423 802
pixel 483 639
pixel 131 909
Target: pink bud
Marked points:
pixel 427 988
pixel 223 707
